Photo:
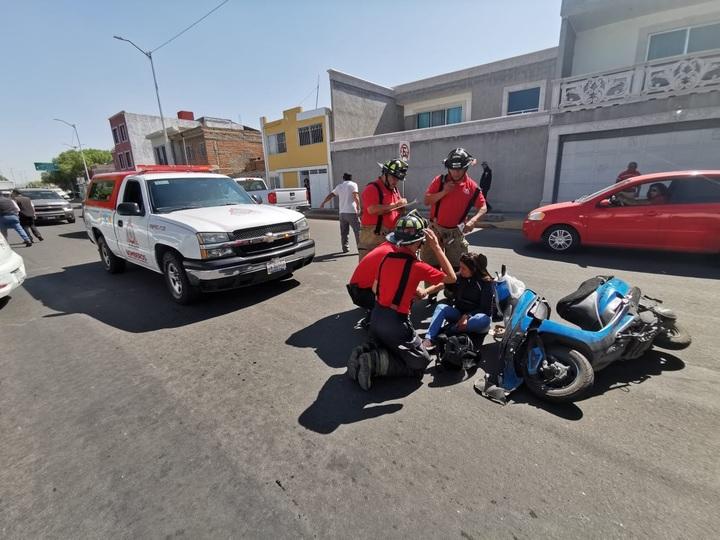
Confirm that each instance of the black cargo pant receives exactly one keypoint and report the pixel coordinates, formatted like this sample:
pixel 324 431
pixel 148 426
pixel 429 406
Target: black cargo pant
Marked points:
pixel 395 331
pixel 28 223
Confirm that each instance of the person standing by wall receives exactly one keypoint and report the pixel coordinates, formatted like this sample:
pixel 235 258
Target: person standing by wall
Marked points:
pixel 381 203
pixel 27 214
pixel 9 219
pixel 486 182
pixel 631 171
pixel 349 203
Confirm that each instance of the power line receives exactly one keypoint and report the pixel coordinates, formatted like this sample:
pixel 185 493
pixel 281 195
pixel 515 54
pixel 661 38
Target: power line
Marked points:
pixel 193 24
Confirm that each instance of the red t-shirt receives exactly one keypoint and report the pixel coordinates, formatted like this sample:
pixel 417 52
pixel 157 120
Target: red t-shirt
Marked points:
pixel 370 197
pixel 366 271
pixel 454 203
pixel 627 173
pixel 389 275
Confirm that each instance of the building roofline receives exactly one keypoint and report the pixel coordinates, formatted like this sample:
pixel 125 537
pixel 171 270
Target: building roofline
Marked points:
pixel 351 80
pixel 475 71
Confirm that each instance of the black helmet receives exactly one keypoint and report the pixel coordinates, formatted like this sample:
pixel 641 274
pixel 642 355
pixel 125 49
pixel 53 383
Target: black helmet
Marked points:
pixel 459 159
pixel 408 230
pixel 395 167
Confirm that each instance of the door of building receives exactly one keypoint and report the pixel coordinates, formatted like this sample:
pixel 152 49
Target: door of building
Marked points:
pixel 319 186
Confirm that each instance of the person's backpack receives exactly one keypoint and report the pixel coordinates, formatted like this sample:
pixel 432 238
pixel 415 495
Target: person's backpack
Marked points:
pixel 460 352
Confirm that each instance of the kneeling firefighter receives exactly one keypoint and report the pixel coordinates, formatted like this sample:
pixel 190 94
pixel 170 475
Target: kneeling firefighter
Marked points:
pixel 398 351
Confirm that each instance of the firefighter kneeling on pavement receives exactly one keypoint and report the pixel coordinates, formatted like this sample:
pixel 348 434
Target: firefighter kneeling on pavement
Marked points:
pixel 451 197
pixel 381 205
pixel 397 350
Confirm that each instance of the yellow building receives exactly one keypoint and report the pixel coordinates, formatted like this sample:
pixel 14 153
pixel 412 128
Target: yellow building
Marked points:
pixel 297 151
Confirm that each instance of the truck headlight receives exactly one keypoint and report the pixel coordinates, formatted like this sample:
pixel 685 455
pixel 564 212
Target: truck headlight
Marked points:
pixel 303 229
pixel 536 216
pixel 206 238
pixel 216 253
pixel 67 207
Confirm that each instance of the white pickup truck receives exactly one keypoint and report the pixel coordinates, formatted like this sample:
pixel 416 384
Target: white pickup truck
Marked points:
pixel 293 198
pixel 202 231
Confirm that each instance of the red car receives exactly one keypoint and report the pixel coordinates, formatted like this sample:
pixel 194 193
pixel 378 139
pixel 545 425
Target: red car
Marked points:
pixel 673 211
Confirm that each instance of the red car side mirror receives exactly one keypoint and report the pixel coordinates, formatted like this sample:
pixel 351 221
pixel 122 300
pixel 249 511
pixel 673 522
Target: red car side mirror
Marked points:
pixel 605 203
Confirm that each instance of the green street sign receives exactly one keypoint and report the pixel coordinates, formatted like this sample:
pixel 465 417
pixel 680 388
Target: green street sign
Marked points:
pixel 45 167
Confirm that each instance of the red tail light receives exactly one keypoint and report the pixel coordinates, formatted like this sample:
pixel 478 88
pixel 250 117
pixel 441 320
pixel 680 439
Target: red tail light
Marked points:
pixel 272 197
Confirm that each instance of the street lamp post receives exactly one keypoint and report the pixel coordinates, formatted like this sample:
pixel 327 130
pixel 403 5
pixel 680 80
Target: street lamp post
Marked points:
pixel 148 54
pixel 82 154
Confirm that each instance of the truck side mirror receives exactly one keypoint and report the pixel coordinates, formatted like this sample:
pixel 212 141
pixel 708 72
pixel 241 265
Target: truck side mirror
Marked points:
pixel 129 209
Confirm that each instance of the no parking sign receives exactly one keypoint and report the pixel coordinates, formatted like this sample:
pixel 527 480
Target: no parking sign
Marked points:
pixel 404 151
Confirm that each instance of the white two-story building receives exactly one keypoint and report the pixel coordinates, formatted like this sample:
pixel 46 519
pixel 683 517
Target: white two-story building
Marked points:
pixel 637 80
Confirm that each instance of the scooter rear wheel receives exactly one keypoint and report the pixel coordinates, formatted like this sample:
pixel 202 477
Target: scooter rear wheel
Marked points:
pixel 578 375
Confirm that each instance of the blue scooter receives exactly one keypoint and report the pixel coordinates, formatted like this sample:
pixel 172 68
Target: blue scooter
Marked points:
pixel 557 361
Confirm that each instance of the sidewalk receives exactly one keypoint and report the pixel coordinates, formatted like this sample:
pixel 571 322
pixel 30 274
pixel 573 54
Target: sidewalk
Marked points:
pixel 492 220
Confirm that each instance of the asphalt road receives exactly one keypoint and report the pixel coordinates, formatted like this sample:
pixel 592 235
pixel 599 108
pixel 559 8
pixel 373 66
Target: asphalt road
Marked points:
pixel 124 415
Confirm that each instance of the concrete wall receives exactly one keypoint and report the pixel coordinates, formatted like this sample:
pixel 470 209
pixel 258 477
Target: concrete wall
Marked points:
pixel 486 90
pixel 624 43
pixel 139 126
pixel 359 112
pixel 516 156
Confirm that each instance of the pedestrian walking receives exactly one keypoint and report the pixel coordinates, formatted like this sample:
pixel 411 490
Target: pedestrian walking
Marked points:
pixel 486 182
pixel 381 204
pixel 451 197
pixel 9 219
pixel 27 214
pixel 349 203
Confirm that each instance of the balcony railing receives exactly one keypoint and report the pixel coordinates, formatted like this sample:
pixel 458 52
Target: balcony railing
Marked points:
pixel 698 72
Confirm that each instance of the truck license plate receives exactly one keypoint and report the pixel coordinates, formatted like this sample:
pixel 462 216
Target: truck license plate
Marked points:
pixel 276 265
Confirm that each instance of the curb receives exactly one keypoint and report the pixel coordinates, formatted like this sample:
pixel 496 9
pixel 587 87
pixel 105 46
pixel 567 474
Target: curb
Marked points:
pixel 495 221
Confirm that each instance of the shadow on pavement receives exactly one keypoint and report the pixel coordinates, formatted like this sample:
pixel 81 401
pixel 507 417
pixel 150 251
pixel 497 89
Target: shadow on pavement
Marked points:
pixel 624 375
pixel 629 260
pixel 137 301
pixel 332 337
pixel 75 235
pixel 334 256
pixel 341 401
pixel 4 301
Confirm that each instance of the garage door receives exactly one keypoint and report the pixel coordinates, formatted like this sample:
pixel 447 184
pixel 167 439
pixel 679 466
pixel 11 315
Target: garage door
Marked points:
pixel 590 165
pixel 319 186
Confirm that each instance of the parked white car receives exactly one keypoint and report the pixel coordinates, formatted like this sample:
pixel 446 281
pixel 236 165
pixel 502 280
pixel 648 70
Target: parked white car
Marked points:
pixel 12 269
pixel 200 230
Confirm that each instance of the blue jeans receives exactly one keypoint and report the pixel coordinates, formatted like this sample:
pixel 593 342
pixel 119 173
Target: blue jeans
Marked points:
pixel 476 324
pixel 11 221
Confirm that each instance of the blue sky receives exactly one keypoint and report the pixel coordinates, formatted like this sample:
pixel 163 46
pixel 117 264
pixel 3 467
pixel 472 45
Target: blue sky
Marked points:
pixel 249 59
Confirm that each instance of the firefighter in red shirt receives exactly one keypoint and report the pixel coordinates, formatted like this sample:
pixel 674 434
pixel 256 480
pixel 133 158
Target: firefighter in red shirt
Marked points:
pixel 381 203
pixel 361 282
pixel 451 197
pixel 399 350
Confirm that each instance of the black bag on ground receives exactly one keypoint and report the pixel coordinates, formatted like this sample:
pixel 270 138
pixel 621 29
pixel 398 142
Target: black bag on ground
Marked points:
pixel 459 351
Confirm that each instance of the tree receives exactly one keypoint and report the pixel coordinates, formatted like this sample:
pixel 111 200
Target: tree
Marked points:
pixel 70 166
pixel 3 179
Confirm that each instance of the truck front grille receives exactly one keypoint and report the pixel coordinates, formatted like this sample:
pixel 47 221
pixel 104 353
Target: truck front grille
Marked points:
pixel 259 232
pixel 255 232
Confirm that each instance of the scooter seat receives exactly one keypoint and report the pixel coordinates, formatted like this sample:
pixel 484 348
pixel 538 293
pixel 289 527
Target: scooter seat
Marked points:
pixel 582 307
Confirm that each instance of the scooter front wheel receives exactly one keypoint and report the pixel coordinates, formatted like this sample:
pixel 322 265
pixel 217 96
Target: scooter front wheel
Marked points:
pixel 673 338
pixel 563 376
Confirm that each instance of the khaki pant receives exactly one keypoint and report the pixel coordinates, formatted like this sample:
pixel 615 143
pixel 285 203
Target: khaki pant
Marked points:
pixel 369 240
pixel 452 242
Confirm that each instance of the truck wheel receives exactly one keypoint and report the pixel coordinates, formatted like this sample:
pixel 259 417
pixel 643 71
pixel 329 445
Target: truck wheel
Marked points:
pixel 564 376
pixel 177 281
pixel 71 219
pixel 112 263
pixel 561 238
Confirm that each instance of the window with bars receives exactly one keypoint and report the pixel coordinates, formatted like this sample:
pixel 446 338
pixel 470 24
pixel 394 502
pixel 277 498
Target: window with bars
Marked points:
pixel 128 160
pixel 276 143
pixel 121 160
pixel 122 132
pixel 441 117
pixel 310 134
pixel 115 135
pixel 684 41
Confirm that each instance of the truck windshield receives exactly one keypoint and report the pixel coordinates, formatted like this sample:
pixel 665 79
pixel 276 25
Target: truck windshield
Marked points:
pixel 172 194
